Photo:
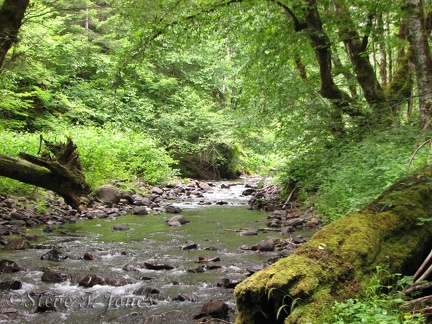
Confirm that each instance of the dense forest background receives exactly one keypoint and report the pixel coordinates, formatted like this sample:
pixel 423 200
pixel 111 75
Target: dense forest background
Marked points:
pixel 323 96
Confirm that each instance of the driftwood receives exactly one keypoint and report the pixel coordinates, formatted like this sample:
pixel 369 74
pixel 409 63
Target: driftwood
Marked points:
pixel 57 169
pixel 340 259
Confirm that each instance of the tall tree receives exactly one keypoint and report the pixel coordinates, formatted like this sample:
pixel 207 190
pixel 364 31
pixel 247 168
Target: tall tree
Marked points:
pixel 418 37
pixel 11 16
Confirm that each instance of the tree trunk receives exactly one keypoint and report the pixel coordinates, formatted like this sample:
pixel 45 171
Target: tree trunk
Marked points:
pixel 58 170
pixel 356 49
pixel 340 259
pixel 11 16
pixel 418 37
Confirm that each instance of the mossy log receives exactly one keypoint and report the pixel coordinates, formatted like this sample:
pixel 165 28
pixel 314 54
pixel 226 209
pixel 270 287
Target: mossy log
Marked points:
pixel 58 169
pixel 341 258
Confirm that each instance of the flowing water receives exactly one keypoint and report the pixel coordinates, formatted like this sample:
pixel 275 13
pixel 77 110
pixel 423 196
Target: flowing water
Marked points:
pixel 151 296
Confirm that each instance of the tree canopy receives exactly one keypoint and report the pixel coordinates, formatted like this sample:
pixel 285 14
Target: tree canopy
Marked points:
pixel 227 86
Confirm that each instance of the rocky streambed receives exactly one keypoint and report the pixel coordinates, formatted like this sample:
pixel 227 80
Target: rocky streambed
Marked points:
pixel 172 255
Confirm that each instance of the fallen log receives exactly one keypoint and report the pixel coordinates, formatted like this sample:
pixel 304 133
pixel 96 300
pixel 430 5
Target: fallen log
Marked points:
pixel 58 169
pixel 341 258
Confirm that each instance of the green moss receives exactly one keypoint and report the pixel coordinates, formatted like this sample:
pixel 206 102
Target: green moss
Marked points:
pixel 340 259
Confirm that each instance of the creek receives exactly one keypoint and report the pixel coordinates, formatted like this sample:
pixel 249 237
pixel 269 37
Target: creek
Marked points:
pixel 150 296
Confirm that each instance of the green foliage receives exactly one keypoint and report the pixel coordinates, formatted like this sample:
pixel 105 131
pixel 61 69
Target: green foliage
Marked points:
pixel 380 304
pixel 288 303
pixel 347 176
pixel 105 154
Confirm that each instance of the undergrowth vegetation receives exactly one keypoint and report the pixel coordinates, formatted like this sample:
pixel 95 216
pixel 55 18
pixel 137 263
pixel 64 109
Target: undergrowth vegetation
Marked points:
pixel 337 178
pixel 105 154
pixel 381 303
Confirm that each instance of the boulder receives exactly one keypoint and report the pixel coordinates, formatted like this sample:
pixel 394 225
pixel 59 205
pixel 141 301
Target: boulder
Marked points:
pixel 91 280
pixel 17 244
pixel 54 276
pixel 108 194
pixel 7 266
pixel 10 284
pixel 179 218
pixel 53 255
pixel 157 266
pixel 172 209
pixel 266 245
pixel 139 211
pixel 214 309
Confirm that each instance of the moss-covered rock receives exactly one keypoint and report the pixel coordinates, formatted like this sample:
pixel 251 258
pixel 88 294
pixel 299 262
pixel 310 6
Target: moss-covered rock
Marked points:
pixel 339 260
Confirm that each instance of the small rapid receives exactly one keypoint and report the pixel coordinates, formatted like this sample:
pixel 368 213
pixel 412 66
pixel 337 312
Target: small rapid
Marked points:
pixel 189 264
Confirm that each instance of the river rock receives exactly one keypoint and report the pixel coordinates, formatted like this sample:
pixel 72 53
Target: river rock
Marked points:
pixel 157 191
pixel 182 297
pixel 91 280
pixel 206 260
pixel 14 214
pixel 228 283
pixel 157 266
pixel 146 291
pixel 116 282
pixel 177 219
pixel 139 211
pixel 54 276
pixel 266 245
pixel 294 222
pixel 248 192
pixel 215 309
pixel 108 194
pixel 120 227
pixel 287 229
pixel 89 256
pixel 141 201
pixel 199 269
pixel 10 284
pixel 17 244
pixel 7 266
pixel 189 246
pixel 204 186
pixel 172 209
pixel 53 255
pixel 8 202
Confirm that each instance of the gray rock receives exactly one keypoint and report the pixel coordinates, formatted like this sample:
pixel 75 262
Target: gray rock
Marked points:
pixel 10 284
pixel 8 266
pixel 179 218
pixel 54 276
pixel 157 191
pixel 120 227
pixel 53 255
pixel 139 210
pixel 108 194
pixel 91 280
pixel 17 244
pixel 266 245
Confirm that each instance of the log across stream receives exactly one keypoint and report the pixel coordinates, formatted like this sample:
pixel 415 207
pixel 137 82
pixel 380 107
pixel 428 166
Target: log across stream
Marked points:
pixel 148 272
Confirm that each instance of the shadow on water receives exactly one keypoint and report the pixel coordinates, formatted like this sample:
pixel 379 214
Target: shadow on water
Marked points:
pixel 150 296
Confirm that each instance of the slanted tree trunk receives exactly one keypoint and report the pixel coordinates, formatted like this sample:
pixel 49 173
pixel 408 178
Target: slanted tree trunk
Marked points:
pixel 11 16
pixel 58 169
pixel 340 259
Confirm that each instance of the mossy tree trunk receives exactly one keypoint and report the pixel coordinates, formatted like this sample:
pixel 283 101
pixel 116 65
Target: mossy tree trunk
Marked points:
pixel 11 17
pixel 58 169
pixel 340 259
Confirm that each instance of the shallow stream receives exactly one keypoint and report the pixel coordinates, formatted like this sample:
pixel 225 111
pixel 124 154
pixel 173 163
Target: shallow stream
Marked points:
pixel 151 296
